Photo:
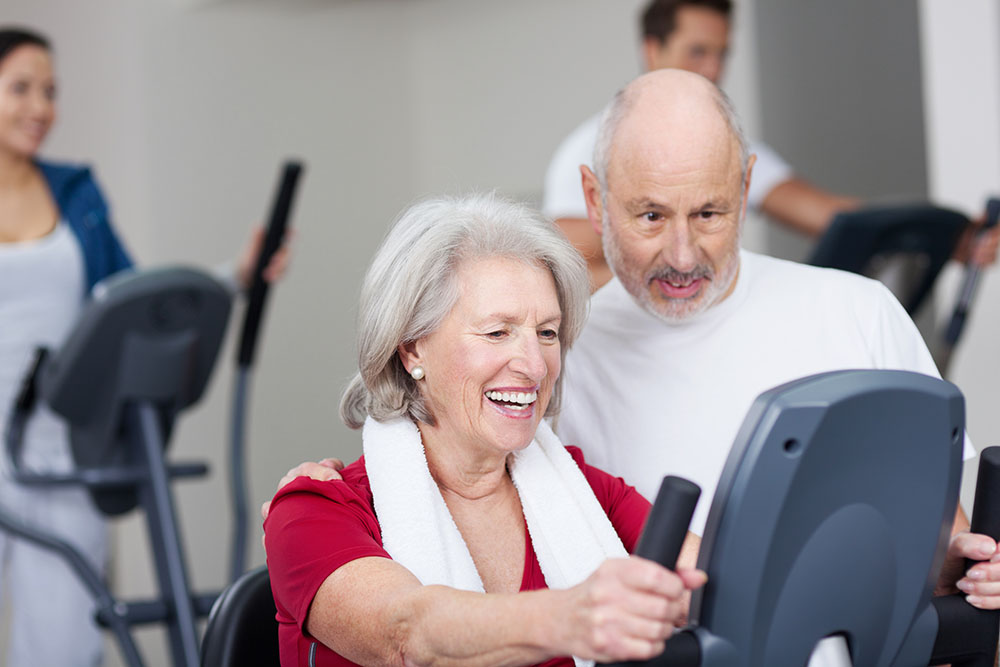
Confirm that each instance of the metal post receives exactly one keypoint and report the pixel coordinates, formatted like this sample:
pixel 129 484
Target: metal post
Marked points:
pixel 165 535
pixel 237 473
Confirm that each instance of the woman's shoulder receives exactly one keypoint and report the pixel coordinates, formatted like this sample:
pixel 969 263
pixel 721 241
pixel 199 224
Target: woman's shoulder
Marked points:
pixel 577 454
pixel 604 484
pixel 353 487
pixel 356 476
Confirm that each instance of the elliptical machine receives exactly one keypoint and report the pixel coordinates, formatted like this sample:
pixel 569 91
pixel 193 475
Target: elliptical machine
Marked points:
pixel 829 529
pixel 143 351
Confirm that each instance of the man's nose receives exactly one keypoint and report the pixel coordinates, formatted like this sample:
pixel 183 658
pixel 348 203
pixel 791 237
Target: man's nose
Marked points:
pixel 680 245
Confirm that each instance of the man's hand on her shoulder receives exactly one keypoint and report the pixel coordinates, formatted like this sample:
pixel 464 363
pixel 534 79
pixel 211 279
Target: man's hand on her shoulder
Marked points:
pixel 323 471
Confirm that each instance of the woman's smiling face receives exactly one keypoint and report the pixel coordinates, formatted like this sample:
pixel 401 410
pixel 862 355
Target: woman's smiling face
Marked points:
pixel 27 99
pixel 492 364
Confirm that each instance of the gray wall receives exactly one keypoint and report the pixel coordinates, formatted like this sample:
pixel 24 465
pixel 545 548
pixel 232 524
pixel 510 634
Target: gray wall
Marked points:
pixel 840 98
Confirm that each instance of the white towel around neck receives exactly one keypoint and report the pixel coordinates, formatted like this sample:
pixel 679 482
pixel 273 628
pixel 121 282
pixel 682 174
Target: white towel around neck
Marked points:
pixel 570 532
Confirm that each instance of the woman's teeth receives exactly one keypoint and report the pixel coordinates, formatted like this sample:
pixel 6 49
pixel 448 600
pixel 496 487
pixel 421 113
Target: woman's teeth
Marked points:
pixel 519 398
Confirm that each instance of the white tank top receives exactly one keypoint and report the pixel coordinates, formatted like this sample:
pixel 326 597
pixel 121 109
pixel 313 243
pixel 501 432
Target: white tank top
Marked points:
pixel 41 294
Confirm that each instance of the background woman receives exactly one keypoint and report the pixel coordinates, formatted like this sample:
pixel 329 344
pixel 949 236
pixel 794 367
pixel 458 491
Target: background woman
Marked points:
pixel 56 242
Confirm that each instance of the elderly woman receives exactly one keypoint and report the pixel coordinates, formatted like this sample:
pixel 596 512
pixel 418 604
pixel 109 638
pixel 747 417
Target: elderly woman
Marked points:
pixel 467 532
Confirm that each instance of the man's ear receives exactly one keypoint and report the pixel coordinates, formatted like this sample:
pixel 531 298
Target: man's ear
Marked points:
pixel 746 185
pixel 409 355
pixel 592 195
pixel 651 48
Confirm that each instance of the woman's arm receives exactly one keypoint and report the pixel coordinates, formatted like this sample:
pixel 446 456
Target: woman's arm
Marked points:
pixel 374 611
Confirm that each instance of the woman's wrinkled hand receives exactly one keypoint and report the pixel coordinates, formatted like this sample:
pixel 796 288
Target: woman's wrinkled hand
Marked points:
pixel 628 608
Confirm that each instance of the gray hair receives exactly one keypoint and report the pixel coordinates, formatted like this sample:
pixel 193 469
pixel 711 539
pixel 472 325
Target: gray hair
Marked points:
pixel 410 288
pixel 622 102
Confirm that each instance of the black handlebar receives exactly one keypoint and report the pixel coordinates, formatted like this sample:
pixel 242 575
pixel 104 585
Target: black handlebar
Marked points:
pixel 967 636
pixel 661 541
pixel 668 521
pixel 986 511
pixel 272 241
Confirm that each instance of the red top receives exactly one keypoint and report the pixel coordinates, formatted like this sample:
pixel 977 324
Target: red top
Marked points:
pixel 315 527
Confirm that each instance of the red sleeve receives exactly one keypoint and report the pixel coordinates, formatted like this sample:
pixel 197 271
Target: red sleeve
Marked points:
pixel 311 530
pixel 625 506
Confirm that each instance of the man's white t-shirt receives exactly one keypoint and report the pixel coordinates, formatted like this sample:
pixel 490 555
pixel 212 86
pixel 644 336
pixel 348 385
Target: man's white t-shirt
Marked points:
pixel 564 193
pixel 644 398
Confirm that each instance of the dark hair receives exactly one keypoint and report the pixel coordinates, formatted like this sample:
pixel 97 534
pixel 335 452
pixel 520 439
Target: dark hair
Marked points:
pixel 11 38
pixel 660 17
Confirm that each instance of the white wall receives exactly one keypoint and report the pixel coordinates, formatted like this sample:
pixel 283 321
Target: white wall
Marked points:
pixel 961 65
pixel 840 98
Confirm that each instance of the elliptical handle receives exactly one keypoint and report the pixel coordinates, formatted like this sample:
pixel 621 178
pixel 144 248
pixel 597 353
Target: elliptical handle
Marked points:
pixel 667 524
pixel 967 636
pixel 986 510
pixel 276 227
pixel 662 537
pixel 986 506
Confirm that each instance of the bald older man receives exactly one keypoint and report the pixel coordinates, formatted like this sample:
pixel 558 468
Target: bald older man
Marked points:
pixel 691 329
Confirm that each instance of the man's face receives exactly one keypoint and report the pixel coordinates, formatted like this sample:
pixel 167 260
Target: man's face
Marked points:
pixel 698 44
pixel 671 225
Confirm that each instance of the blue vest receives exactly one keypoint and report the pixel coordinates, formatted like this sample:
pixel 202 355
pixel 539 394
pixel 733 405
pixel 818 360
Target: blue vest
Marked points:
pixel 83 207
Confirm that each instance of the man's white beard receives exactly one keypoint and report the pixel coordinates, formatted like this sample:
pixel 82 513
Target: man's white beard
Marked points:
pixel 674 311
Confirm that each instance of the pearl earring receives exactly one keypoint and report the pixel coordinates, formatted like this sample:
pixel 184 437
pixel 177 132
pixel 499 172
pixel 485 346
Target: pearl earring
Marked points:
pixel 417 373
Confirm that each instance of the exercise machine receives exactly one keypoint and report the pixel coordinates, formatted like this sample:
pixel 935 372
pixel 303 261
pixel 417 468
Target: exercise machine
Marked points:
pixel 829 528
pixel 963 303
pixel 905 246
pixel 822 547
